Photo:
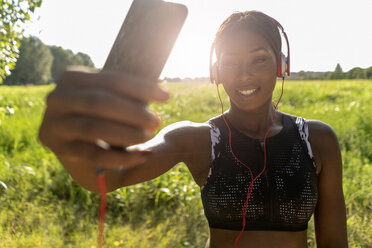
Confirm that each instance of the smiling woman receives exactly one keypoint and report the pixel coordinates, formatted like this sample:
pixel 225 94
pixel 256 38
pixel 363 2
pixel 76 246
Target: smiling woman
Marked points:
pixel 262 173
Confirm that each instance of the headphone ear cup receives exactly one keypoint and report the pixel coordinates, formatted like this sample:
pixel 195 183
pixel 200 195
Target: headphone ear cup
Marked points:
pixel 282 65
pixel 212 73
pixel 279 72
pixel 287 68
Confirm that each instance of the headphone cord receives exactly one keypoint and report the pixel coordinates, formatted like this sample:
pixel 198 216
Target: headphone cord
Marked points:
pixel 245 207
pixel 102 211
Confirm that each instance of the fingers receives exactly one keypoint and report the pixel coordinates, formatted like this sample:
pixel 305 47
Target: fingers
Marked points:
pixel 118 83
pixel 87 153
pixel 68 148
pixel 101 104
pixel 89 129
pixel 88 106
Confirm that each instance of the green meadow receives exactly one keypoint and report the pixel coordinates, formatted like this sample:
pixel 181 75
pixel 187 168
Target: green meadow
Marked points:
pixel 41 206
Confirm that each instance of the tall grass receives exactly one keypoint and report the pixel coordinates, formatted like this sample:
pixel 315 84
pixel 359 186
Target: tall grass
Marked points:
pixel 41 206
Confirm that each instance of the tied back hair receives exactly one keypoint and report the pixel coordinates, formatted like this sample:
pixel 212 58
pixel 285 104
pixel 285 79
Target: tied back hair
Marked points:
pixel 250 21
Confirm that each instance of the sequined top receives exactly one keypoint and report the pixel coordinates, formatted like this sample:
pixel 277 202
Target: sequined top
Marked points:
pixel 283 197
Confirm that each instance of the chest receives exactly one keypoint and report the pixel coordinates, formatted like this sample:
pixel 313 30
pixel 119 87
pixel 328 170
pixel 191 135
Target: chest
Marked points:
pixel 284 188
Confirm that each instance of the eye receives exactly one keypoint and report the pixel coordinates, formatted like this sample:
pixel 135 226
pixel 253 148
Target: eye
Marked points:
pixel 260 60
pixel 230 63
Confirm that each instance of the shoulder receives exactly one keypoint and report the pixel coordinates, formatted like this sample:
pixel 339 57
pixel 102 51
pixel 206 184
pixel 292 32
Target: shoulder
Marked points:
pixel 323 141
pixel 185 134
pixel 182 128
pixel 319 132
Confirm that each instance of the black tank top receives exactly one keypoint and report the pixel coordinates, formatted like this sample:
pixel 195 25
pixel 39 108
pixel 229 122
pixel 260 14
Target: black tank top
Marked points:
pixel 283 197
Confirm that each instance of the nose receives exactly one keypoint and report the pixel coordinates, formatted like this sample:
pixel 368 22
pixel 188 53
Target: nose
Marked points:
pixel 245 72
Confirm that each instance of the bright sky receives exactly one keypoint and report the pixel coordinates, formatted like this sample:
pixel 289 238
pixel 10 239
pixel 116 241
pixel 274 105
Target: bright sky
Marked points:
pixel 321 33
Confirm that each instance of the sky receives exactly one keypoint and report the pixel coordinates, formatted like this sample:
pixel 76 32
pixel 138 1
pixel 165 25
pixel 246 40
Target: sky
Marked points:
pixel 321 33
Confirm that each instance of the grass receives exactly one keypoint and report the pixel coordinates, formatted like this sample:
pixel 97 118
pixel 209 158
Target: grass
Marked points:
pixel 41 205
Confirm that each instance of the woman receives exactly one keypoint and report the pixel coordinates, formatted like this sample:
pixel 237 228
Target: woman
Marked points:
pixel 251 151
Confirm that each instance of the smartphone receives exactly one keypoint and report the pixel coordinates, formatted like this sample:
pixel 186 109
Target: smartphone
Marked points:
pixel 146 38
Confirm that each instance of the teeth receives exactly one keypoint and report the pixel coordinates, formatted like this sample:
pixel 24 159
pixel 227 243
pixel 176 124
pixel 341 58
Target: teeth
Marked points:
pixel 247 92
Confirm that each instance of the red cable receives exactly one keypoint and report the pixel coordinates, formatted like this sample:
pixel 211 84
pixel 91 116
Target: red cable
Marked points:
pixel 245 207
pixel 102 212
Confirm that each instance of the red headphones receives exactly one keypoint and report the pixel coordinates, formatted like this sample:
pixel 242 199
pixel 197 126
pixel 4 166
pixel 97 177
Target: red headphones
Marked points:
pixel 283 61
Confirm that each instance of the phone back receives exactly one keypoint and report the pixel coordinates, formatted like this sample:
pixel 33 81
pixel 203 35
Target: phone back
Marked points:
pixel 146 38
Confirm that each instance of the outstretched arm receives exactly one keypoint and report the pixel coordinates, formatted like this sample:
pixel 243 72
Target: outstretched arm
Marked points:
pixel 330 213
pixel 173 144
pixel 163 152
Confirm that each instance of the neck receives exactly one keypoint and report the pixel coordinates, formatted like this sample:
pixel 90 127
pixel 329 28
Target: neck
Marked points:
pixel 254 123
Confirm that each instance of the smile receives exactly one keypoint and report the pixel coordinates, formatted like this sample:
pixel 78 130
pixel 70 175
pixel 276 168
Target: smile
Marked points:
pixel 247 92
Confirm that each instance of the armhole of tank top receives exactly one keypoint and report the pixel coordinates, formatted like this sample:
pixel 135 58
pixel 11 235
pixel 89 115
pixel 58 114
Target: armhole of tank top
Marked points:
pixel 303 129
pixel 215 139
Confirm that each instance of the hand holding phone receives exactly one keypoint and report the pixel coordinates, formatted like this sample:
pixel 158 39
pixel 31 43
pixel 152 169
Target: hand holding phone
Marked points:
pixel 109 105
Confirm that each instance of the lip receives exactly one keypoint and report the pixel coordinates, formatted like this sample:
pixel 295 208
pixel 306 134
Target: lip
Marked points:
pixel 247 89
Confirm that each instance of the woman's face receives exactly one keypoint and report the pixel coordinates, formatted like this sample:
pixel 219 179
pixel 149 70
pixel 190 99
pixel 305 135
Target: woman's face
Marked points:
pixel 247 69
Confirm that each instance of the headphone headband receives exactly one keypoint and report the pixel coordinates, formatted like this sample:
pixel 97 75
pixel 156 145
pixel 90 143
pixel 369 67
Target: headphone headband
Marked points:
pixel 286 40
pixel 211 76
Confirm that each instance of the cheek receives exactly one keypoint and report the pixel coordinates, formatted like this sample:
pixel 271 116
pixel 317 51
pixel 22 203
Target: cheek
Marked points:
pixel 269 73
pixel 228 75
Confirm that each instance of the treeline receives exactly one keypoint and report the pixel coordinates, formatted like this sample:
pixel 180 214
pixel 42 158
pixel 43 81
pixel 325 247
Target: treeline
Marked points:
pixel 41 64
pixel 355 73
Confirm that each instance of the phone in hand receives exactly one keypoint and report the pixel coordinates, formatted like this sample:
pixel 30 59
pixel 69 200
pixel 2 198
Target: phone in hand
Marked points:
pixel 146 38
pixel 145 41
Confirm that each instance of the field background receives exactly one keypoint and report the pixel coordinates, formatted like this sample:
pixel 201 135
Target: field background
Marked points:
pixel 41 206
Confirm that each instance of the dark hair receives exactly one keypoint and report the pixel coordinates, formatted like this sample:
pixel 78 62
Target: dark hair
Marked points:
pixel 254 21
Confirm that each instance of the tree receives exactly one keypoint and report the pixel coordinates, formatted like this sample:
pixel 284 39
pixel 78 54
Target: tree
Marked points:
pixel 13 13
pixel 84 59
pixel 34 63
pixel 369 72
pixel 338 68
pixel 64 58
pixel 338 73
pixel 356 73
pixel 41 64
